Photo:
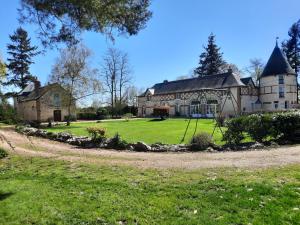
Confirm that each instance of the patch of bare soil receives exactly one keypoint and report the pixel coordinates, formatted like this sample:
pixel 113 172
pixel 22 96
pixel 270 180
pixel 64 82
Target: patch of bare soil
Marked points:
pixel 32 146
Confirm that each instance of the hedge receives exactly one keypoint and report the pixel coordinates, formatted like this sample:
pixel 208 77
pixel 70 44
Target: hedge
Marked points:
pixel 261 127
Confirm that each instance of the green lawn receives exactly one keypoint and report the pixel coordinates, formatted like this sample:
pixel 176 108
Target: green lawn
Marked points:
pixel 45 191
pixel 168 131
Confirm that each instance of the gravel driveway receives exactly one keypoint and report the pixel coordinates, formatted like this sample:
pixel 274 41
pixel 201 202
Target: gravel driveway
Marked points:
pixel 32 146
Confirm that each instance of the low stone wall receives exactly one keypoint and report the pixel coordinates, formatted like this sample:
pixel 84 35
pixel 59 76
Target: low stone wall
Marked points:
pixel 119 144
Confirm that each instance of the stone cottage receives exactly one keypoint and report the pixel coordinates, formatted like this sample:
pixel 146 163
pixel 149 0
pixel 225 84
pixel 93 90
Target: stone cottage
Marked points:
pixel 41 104
pixel 208 95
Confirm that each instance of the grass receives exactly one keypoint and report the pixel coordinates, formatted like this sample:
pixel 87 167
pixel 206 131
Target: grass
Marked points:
pixel 169 131
pixel 45 191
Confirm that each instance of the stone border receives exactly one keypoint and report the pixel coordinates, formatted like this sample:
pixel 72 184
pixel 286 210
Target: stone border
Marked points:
pixel 119 144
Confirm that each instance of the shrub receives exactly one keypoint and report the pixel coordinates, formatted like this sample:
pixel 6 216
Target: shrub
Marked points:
pixel 87 116
pixel 201 141
pixel 70 118
pixel 3 153
pixel 117 143
pixel 127 116
pixel 220 121
pixel 235 131
pixel 259 126
pixel 286 125
pixel 97 133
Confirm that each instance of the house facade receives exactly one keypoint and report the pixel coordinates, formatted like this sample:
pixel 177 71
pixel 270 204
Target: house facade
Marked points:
pixel 41 104
pixel 226 92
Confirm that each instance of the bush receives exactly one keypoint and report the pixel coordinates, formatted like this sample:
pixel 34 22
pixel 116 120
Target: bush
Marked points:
pixel 97 133
pixel 235 131
pixel 286 125
pixel 127 116
pixel 87 116
pixel 70 118
pixel 259 126
pixel 117 143
pixel 220 120
pixel 201 141
pixel 3 153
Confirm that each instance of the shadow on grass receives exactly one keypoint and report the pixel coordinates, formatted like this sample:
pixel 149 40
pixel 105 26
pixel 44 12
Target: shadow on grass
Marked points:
pixel 4 196
pixel 156 120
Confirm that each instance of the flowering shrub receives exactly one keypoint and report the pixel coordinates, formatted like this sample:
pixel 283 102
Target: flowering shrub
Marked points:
pixel 96 132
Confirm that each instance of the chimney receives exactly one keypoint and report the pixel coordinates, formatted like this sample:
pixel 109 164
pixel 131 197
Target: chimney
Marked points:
pixel 230 70
pixel 37 85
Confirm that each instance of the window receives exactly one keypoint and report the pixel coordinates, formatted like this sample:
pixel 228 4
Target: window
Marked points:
pixel 280 79
pixel 148 98
pixel 286 104
pixel 56 100
pixel 276 104
pixel 177 96
pixel 281 91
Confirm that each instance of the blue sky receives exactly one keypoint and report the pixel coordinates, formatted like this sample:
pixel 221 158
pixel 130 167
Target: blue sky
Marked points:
pixel 172 42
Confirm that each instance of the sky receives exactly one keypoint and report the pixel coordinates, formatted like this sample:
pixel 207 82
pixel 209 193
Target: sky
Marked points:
pixel 171 43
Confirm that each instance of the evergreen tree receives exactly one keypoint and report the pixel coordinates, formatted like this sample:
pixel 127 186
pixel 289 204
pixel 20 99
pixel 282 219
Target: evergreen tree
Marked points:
pixel 211 60
pixel 291 47
pixel 21 53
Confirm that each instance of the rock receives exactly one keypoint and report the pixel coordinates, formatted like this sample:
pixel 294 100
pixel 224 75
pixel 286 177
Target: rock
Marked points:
pixel 210 149
pixel 30 131
pixel 63 136
pixel 81 141
pixel 257 145
pixel 41 133
pixel 142 147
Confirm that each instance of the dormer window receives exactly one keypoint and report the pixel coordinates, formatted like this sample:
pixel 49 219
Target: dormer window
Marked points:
pixel 280 79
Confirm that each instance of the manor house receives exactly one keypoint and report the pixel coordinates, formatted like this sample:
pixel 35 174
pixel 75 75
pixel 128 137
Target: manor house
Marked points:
pixel 276 90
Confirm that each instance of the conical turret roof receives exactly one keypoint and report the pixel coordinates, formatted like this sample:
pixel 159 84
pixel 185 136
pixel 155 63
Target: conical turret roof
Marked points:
pixel 277 64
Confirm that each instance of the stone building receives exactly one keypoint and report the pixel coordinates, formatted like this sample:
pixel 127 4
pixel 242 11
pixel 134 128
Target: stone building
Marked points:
pixel 41 104
pixel 227 92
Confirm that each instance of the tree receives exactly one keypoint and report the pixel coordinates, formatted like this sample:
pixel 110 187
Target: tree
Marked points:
pixel 235 69
pixel 2 68
pixel 21 53
pixel 255 68
pixel 130 96
pixel 2 76
pixel 62 21
pixel 73 71
pixel 117 75
pixel 211 60
pixel 291 47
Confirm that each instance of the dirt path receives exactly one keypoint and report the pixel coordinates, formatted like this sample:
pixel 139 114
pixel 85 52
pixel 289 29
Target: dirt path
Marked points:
pixel 32 146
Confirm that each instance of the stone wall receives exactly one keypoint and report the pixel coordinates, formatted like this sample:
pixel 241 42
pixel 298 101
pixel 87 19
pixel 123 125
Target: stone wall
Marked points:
pixel 269 92
pixel 43 108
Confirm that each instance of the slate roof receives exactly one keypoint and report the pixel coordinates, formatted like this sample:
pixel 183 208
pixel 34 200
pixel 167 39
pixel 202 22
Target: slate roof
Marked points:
pixel 247 80
pixel 277 64
pixel 32 95
pixel 217 81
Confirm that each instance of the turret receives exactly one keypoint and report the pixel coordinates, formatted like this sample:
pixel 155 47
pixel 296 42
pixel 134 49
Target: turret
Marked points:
pixel 278 83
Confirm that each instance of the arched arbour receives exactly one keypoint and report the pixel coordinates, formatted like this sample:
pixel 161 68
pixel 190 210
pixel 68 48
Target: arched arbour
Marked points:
pixel 203 96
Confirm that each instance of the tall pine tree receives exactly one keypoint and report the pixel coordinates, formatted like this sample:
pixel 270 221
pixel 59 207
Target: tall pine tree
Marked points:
pixel 20 54
pixel 211 60
pixel 291 47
